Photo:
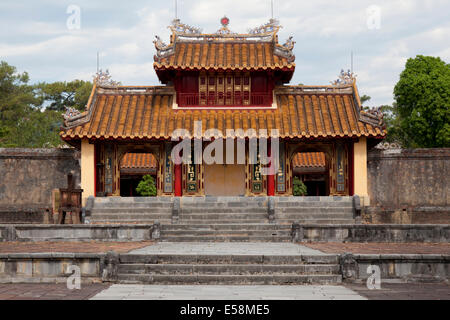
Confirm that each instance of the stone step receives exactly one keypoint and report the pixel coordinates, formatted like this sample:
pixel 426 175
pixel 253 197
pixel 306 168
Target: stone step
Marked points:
pixel 165 258
pixel 164 205
pixel 305 216
pixel 313 204
pixel 131 210
pixel 133 199
pixel 223 216
pixel 225 238
pixel 314 210
pixel 187 211
pixel 226 233
pixel 223 199
pixel 314 199
pixel 231 204
pixel 316 221
pixel 237 226
pixel 106 215
pixel 222 221
pixel 124 220
pixel 229 279
pixel 228 269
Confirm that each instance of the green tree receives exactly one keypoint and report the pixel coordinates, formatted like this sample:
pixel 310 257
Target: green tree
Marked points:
pixel 17 98
pixel 364 98
pixel 147 186
pixel 58 95
pixel 422 110
pixel 38 129
pixel 299 188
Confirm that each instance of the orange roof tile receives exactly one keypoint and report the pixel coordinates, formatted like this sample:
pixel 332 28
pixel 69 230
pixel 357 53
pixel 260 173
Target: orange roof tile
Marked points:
pixel 226 56
pixel 309 159
pixel 138 161
pixel 147 113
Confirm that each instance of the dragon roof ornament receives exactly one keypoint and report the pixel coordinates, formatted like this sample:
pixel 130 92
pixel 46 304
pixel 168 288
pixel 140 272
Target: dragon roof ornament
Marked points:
pixel 70 113
pixel 180 28
pixel 345 77
pixel 103 79
pixel 273 26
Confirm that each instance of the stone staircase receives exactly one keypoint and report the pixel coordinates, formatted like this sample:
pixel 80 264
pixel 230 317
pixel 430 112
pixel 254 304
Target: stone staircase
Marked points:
pixel 139 210
pixel 228 269
pixel 229 232
pixel 199 219
pixel 224 219
pixel 314 210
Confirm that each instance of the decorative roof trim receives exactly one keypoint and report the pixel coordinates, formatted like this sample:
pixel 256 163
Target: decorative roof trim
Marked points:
pixel 373 116
pixel 182 33
pixel 104 79
pixel 345 78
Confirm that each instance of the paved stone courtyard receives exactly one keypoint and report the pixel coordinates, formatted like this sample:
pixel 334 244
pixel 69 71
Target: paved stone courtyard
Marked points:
pixel 76 247
pixel 381 248
pixel 227 292
pixel 51 291
pixel 236 248
pixel 389 291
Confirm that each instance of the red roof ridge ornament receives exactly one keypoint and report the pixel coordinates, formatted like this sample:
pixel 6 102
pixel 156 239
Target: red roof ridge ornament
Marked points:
pixel 225 21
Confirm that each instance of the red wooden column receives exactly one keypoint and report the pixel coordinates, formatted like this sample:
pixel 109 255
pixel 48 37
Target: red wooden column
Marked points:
pixel 271 176
pixel 178 180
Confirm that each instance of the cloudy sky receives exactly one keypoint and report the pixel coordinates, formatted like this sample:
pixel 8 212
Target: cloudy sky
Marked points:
pixel 41 37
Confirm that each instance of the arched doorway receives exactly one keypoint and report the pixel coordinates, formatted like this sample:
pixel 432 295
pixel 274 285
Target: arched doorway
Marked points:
pixel 133 166
pixel 312 168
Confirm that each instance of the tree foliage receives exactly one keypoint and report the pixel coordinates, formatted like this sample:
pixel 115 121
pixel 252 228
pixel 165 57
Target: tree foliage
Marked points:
pixel 16 96
pixel 421 115
pixel 147 186
pixel 59 95
pixel 31 115
pixel 364 99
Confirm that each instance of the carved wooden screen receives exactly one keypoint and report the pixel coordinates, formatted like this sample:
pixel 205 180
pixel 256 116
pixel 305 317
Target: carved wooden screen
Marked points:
pixel 224 89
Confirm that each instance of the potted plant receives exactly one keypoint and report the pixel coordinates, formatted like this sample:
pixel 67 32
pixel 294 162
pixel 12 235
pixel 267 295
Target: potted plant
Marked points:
pixel 299 188
pixel 147 186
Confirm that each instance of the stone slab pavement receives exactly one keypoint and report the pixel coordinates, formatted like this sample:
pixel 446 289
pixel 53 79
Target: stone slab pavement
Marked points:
pixel 225 248
pixel 51 291
pixel 388 291
pixel 404 291
pixel 380 248
pixel 226 292
pixel 66 246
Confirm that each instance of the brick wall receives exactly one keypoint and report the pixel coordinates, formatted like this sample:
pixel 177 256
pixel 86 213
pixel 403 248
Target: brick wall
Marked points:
pixel 27 177
pixel 409 186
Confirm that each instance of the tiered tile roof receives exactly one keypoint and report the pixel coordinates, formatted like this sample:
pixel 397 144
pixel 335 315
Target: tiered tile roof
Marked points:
pixel 148 113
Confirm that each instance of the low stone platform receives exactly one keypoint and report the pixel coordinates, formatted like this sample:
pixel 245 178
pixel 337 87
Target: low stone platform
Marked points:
pixel 228 263
pixel 266 232
pixel 224 263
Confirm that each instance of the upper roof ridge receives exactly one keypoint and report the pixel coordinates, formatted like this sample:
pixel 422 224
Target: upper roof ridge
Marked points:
pixel 266 33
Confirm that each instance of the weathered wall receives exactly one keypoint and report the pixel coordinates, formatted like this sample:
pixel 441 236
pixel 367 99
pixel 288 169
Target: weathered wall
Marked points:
pixel 27 177
pixel 409 186
pixel 405 186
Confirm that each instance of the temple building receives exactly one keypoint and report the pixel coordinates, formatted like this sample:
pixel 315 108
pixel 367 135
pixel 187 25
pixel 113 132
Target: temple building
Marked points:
pixel 228 82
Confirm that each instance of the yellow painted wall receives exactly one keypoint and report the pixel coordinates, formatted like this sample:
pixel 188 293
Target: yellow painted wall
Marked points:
pixel 360 170
pixel 225 180
pixel 87 169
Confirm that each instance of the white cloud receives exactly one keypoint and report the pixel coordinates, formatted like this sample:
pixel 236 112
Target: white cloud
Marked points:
pixel 325 32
